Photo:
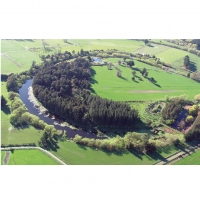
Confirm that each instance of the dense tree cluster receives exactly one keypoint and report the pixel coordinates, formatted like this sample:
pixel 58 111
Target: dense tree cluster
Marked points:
pixel 172 109
pixel 64 89
pixel 194 132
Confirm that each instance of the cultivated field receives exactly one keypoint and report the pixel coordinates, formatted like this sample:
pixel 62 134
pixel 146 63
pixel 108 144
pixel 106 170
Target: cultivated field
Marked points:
pixel 74 154
pixel 29 157
pixel 193 159
pixel 106 84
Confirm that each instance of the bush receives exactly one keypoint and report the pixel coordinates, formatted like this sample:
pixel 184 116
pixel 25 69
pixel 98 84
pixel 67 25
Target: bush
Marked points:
pixel 189 119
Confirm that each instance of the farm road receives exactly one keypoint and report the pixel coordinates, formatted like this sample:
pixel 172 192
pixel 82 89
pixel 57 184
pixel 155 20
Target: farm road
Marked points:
pixel 178 156
pixel 45 151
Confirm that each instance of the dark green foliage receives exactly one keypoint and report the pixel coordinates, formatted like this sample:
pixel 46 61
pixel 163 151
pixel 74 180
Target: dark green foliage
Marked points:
pixel 172 109
pixel 64 89
pixel 194 132
pixel 150 147
pixel 196 41
pixel 3 101
pixel 186 61
pixel 12 83
pixel 146 41
pixel 130 63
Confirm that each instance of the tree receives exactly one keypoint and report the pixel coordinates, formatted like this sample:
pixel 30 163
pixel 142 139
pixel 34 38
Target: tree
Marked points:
pixel 133 78
pixel 193 110
pixel 44 43
pixel 150 147
pixel 146 41
pixel 189 119
pixel 145 74
pixel 197 97
pixel 133 72
pixel 119 62
pixel 50 130
pixel 3 101
pixel 130 63
pixel 186 62
pixel 11 83
pixel 143 70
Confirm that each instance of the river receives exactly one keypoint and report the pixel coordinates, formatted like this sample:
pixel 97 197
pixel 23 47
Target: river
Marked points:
pixel 23 92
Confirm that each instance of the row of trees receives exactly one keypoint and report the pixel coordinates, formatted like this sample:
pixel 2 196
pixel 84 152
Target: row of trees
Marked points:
pixel 20 115
pixel 141 142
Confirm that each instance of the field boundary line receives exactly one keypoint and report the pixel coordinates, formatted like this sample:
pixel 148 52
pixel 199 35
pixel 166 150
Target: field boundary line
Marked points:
pixel 39 148
pixel 177 156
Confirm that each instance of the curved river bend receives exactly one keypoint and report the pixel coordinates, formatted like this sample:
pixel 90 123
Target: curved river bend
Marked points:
pixel 23 92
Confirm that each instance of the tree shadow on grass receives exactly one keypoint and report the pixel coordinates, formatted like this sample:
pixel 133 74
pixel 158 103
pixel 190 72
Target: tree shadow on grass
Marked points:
pixel 155 156
pixel 115 152
pixel 52 145
pixel 193 66
pixel 136 153
pixel 123 78
pixel 82 146
pixel 6 110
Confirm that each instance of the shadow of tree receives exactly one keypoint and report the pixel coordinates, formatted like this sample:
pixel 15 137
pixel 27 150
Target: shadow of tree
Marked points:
pixel 6 110
pixel 193 66
pixel 52 145
pixel 136 153
pixel 123 78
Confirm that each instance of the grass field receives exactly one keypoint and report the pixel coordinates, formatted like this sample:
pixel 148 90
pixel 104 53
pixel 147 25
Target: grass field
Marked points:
pixel 30 157
pixel 11 135
pixel 170 55
pixel 106 84
pixel 74 154
pixel 193 159
pixel 3 153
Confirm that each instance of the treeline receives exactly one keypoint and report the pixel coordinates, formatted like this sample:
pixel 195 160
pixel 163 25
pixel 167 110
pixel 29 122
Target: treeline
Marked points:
pixel 20 115
pixel 141 142
pixel 64 90
pixel 172 109
pixel 194 132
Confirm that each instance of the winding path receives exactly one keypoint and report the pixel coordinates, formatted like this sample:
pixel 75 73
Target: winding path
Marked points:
pixel 39 148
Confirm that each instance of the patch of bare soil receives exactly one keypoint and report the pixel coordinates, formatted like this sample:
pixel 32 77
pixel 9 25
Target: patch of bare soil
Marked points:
pixel 151 91
pixel 187 107
pixel 6 159
pixel 168 130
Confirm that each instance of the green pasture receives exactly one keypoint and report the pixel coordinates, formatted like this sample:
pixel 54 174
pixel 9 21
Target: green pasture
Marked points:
pixel 3 153
pixel 106 84
pixel 193 159
pixel 74 154
pixel 30 157
pixel 173 56
pixel 154 49
pixel 10 45
pixel 8 67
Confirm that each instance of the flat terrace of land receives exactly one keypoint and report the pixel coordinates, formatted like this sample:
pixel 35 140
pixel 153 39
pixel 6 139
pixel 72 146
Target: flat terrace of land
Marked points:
pixel 193 159
pixel 26 157
pixel 106 84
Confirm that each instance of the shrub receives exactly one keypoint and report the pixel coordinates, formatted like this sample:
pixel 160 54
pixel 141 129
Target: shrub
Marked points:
pixel 189 119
